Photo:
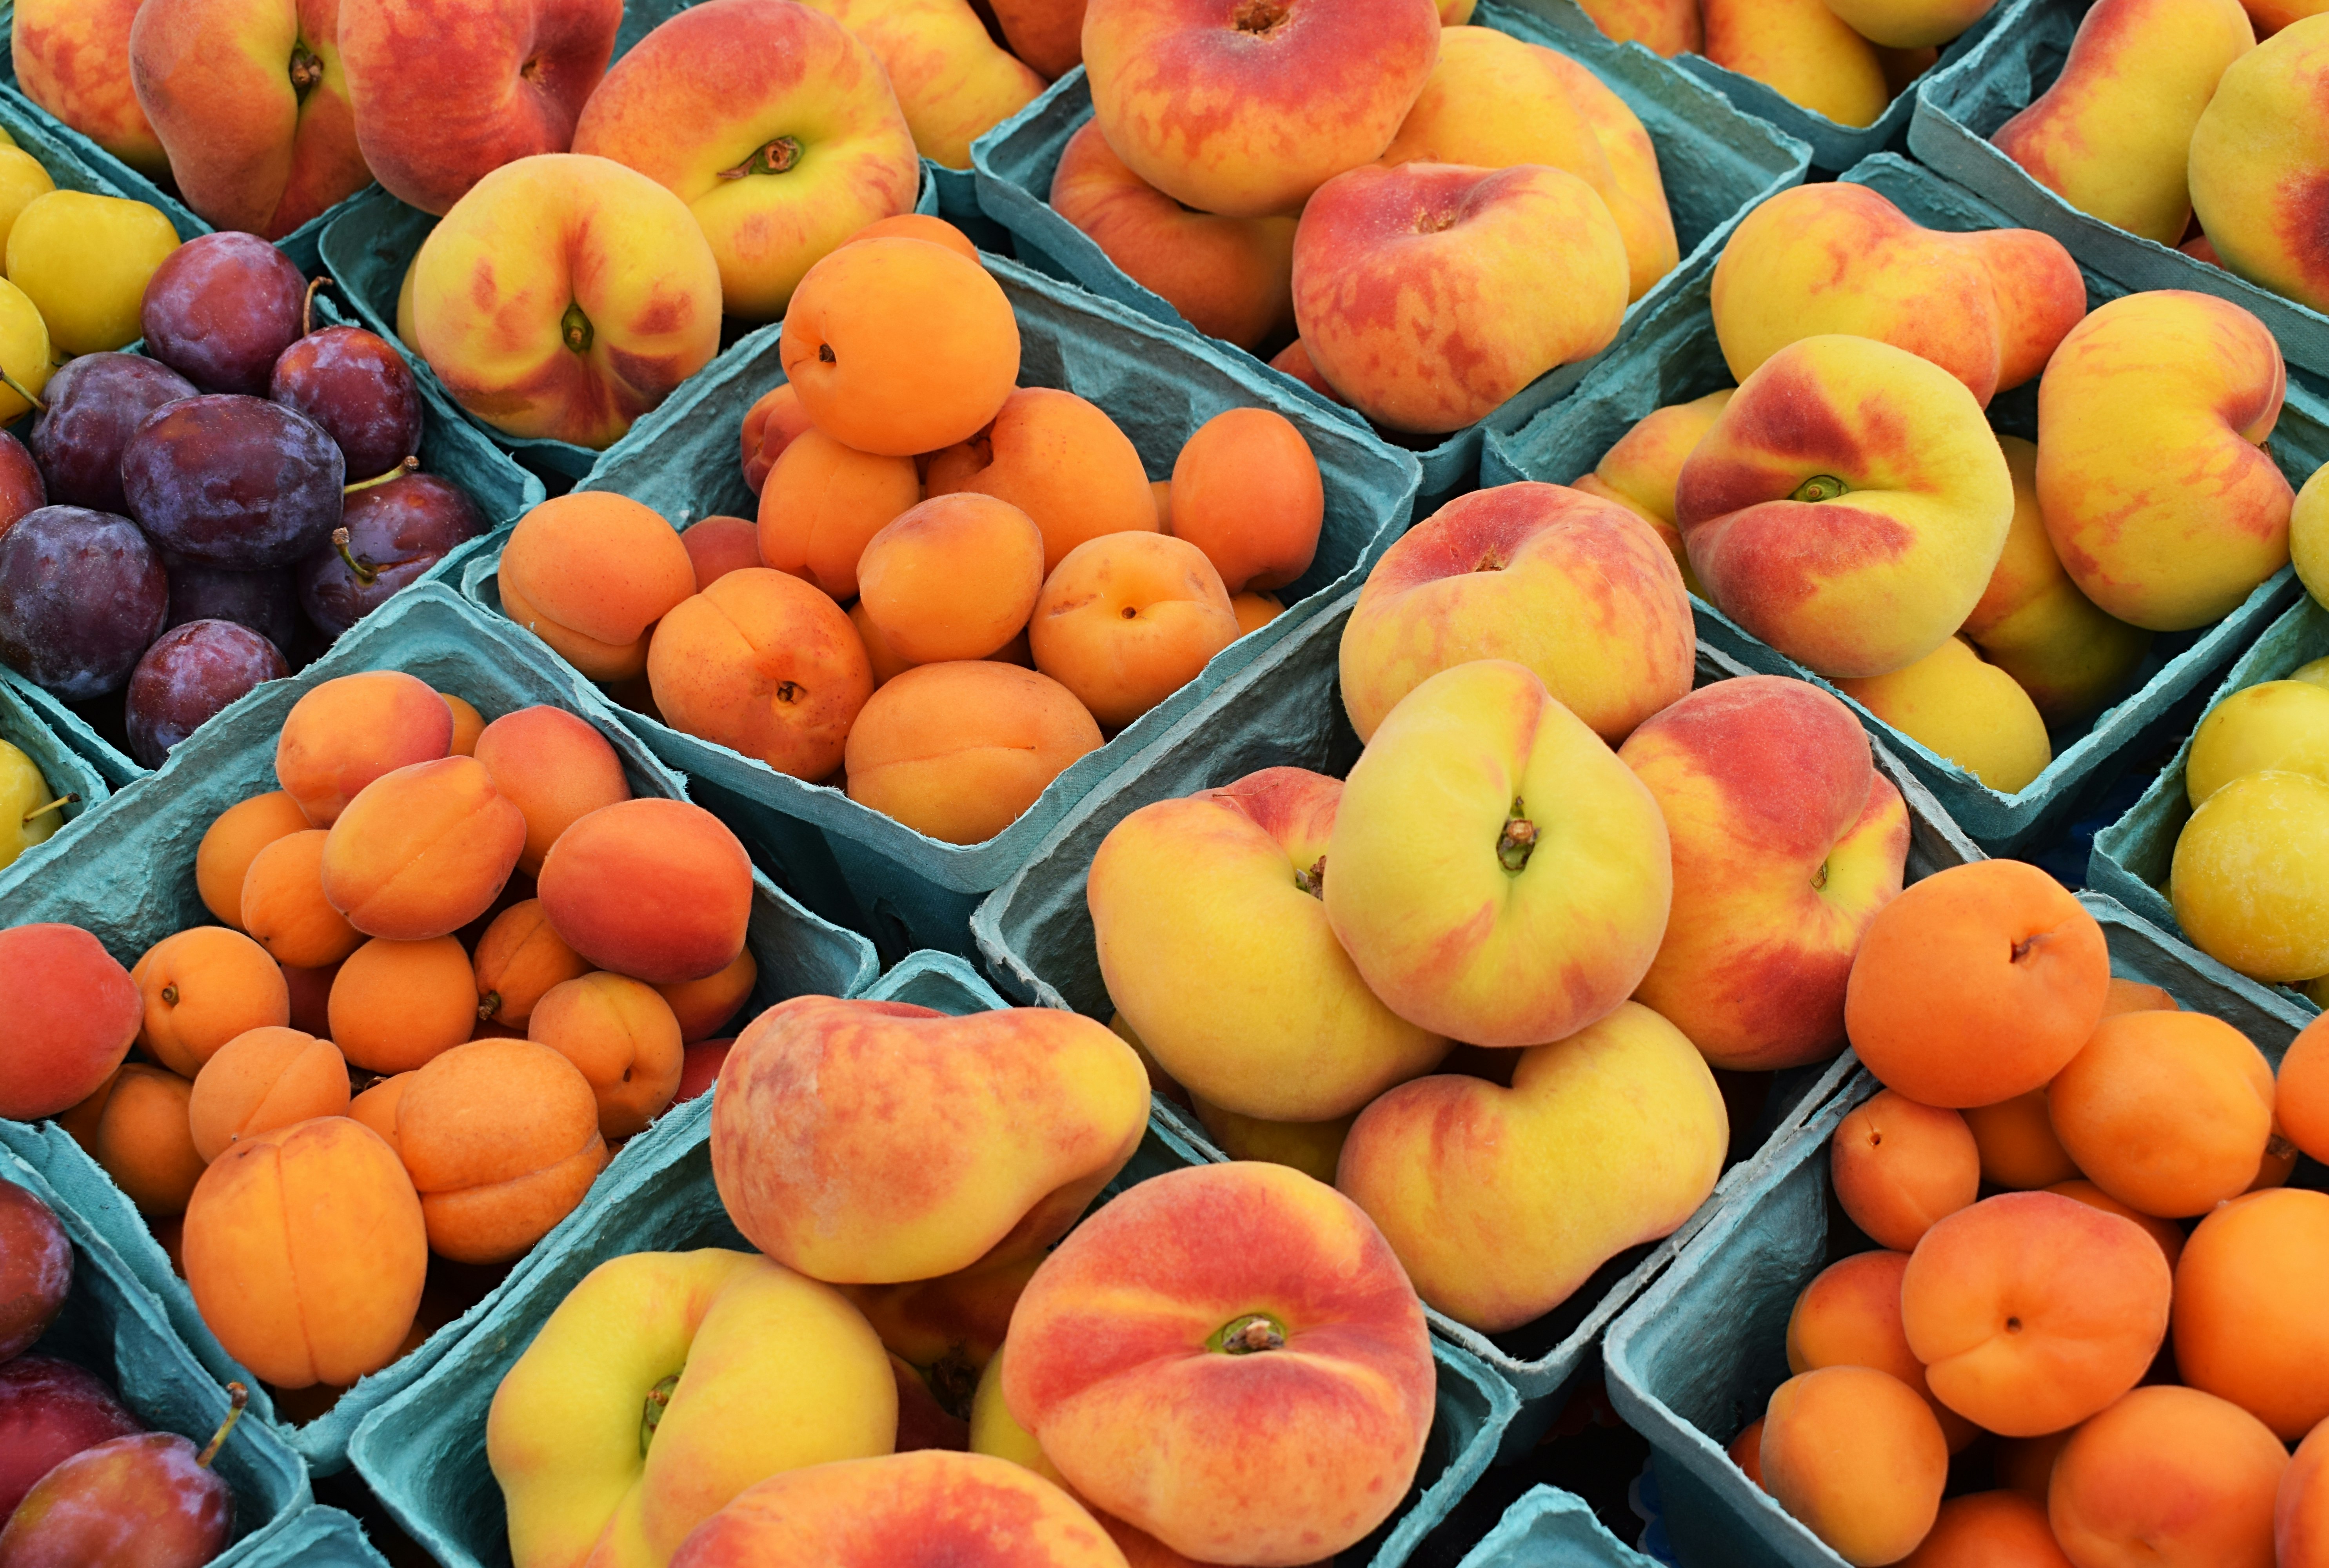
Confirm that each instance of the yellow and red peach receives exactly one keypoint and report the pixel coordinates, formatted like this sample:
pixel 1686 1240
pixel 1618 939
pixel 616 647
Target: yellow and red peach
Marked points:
pixel 71 57
pixel 1802 51
pixel 954 82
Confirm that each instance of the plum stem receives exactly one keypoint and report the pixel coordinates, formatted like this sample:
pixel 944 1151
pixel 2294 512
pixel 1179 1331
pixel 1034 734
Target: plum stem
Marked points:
pixel 237 1396
pixel 365 573
pixel 1819 487
pixel 308 308
pixel 23 391
pixel 398 472
pixel 576 328
pixel 1517 842
pixel 57 804
pixel 774 156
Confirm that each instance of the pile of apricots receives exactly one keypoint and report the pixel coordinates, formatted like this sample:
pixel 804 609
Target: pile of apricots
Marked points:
pixel 456 963
pixel 2134 1315
pixel 956 585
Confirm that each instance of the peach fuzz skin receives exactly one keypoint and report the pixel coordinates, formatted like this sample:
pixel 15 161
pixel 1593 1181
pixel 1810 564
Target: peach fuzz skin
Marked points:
pixel 67 55
pixel 1858 1457
pixel 1802 51
pixel 952 82
pixel 1667 27
pixel 2257 156
pixel 1640 472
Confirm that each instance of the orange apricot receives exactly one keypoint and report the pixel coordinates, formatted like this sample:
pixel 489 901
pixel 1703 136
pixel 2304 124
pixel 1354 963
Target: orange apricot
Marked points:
pixel 659 890
pixel 1898 1167
pixel 554 767
pixel 2134 996
pixel 957 751
pixel 423 851
pixel 518 959
pixel 919 226
pixel 900 346
pixel 2019 1150
pixel 2167 1112
pixel 202 988
pixel 2300 1091
pixel 1855 1454
pixel 396 1005
pixel 1746 1451
pixel 1015 651
pixel 2300 1518
pixel 233 840
pixel 311 997
pixel 2168 1475
pixel 1162 490
pixel 1126 621
pixel 880 657
pixel 2169 1237
pixel 284 908
pixel 1850 1316
pixel 824 502
pixel 2250 1320
pixel 623 1037
pixel 1246 493
pixel 306 1253
pixel 2279 1161
pixel 1255 610
pixel 145 1142
pixel 1976 984
pixel 2031 1312
pixel 591 573
pixel 703 1006
pixel 501 1138
pixel 467 725
pixel 346 732
pixel 1063 462
pixel 767 665
pixel 953 577
pixel 2001 1529
pixel 719 545
pixel 770 425
pixel 376 1106
pixel 700 1070
pixel 261 1080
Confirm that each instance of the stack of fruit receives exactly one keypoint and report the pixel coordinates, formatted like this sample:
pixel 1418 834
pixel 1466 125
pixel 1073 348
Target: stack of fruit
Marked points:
pixel 2142 1378
pixel 77 265
pixel 488 1087
pixel 201 514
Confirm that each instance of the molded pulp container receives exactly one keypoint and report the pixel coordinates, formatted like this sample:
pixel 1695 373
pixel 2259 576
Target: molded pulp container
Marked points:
pixel 319 1537
pixel 1551 1528
pixel 1716 163
pixel 30 728
pixel 1675 357
pixel 133 884
pixel 1696 1358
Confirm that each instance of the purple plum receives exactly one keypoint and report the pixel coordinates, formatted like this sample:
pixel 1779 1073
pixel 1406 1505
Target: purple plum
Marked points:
pixel 95 402
pixel 395 533
pixel 190 673
pixel 234 481
pixel 83 594
pixel 266 602
pixel 221 309
pixel 358 388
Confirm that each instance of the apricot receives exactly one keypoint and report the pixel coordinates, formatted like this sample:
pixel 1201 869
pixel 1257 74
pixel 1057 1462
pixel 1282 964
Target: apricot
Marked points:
pixel 1161 491
pixel 311 997
pixel 2031 1312
pixel 233 840
pixel 824 502
pixel 144 1140
pixel 624 1039
pixel 1126 621
pixel 2300 1519
pixel 2133 995
pixel 305 1252
pixel 703 1006
pixel 346 732
pixel 2167 1112
pixel 957 751
pixel 591 573
pixel 396 1005
pixel 1063 462
pixel 376 1106
pixel 1254 611
pixel 953 577
pixel 2019 1150
pixel 284 908
pixel 1746 1451
pixel 2026 1464
pixel 261 1080
pixel 919 226
pixel 1976 984
pixel 1246 492
pixel 767 665
pixel 701 1069
pixel 202 988
pixel 900 346
pixel 883 659
pixel 1850 1316
pixel 467 725
pixel 2000 1529
pixel 771 424
pixel 2300 1091
pixel 554 767
pixel 1855 1454
pixel 423 851
pixel 1898 1167
pixel 2168 1475
pixel 719 545
pixel 657 889
pixel 502 1140
pixel 518 959
pixel 2251 1325
pixel 2169 1237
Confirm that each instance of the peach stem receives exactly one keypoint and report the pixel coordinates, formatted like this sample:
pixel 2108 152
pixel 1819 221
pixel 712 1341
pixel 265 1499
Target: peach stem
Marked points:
pixel 1517 842
pixel 575 327
pixel 307 71
pixel 774 156
pixel 1819 487
pixel 1256 1331
pixel 237 1396
pixel 658 1400
pixel 1312 881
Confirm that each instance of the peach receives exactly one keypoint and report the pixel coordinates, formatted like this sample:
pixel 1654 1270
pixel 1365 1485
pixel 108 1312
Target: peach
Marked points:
pixel 822 503
pixel 311 994
pixel 563 297
pixel 1856 1455
pixel 659 890
pixel 719 545
pixel 1900 1166
pixel 624 1039
pixel 919 226
pixel 1230 277
pixel 2248 1326
pixel 376 1106
pixel 948 1329
pixel 765 664
pixel 1575 587
pixel 1246 108
pixel 518 959
pixel 1963 709
pixel 2168 1475
pixel 1524 268
pixel 2002 1529
pixel 2031 1312
pixel 423 851
pixel 554 768
pixel 345 733
pixel 306 1253
pixel 1063 462
pixel 283 906
pixel 703 1006
pixel 1850 1316
pixel 396 1005
pixel 1667 27
pixel 954 577
pixel 1126 619
pixel 2169 1237
pixel 262 1080
pixel 202 988
pixel 1312 1147
pixel 233 840
pixel 957 751
pixel 2252 149
pixel 2301 1515
pixel 144 1140
pixel 1976 984
pixel 1250 497
pixel 590 573
pixel 70 58
pixel 771 424
pixel 1640 470
pixel 2015 1137
pixel 502 1140
pixel 700 1066
pixel 1802 52
pixel 953 83
pixel 900 346
pixel 2167 1112
pixel 2301 1092
pixel 1910 24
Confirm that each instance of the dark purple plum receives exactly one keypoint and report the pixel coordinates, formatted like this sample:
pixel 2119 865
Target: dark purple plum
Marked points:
pixel 266 602
pixel 82 596
pixel 95 403
pixel 221 309
pixel 190 673
pixel 21 490
pixel 358 388
pixel 395 533
pixel 234 481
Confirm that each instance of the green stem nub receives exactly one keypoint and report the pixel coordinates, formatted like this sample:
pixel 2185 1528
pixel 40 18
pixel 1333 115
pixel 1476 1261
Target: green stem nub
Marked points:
pixel 1819 487
pixel 307 71
pixel 1249 1335
pixel 1819 878
pixel 658 1401
pixel 775 157
pixel 1517 842
pixel 364 571
pixel 576 328
pixel 488 1005
pixel 237 1396
pixel 1314 880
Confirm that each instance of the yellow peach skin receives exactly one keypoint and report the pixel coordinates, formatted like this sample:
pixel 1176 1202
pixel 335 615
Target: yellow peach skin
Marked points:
pixel 952 82
pixel 2158 491
pixel 1802 52
pixel 1909 24
pixel 1639 472
pixel 2259 165
pixel 1311 1147
pixel 1965 710
pixel 71 58
pixel 1669 27
pixel 564 296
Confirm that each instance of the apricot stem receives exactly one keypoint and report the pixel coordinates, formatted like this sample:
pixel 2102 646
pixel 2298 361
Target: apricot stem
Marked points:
pixel 306 70
pixel 23 391
pixel 1517 842
pixel 658 1401
pixel 364 571
pixel 57 804
pixel 488 1005
pixel 170 995
pixel 774 156
pixel 237 1396
pixel 1819 487
pixel 1314 880
pixel 576 328
pixel 406 466
pixel 1256 1331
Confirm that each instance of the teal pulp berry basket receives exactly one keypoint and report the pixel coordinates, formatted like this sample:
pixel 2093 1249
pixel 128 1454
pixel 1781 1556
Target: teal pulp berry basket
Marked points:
pixel 28 726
